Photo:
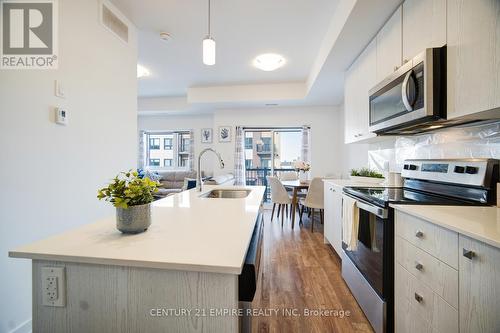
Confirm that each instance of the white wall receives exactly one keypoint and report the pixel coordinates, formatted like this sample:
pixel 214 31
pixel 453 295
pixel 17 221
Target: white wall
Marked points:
pixel 50 173
pixel 325 132
pixel 189 122
pixel 325 127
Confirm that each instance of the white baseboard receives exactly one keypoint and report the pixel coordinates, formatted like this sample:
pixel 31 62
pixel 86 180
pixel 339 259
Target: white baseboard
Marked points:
pixel 25 327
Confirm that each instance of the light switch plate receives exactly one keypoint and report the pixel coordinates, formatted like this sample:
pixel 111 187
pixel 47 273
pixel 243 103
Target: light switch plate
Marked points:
pixel 53 286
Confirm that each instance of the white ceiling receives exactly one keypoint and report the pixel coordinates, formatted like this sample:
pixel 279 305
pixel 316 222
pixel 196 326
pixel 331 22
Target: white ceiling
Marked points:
pixel 319 39
pixel 242 29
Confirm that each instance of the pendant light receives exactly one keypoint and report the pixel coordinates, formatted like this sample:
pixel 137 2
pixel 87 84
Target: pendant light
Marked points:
pixel 209 45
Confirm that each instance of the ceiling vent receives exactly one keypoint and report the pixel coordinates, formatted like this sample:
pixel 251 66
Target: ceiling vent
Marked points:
pixel 111 19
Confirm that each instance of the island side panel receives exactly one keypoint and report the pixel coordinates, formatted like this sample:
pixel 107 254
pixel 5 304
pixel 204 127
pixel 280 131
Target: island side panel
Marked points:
pixel 102 298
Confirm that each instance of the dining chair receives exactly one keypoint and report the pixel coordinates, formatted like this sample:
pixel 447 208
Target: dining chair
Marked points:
pixel 314 200
pixel 279 196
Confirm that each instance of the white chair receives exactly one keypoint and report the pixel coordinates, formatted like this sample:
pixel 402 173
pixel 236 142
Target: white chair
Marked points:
pixel 314 200
pixel 288 175
pixel 279 196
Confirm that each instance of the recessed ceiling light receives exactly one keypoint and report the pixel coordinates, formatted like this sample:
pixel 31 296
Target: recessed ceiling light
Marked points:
pixel 165 36
pixel 142 71
pixel 269 61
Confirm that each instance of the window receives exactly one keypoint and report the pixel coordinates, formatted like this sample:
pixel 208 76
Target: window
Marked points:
pixel 184 140
pixel 167 149
pixel 154 143
pixel 167 143
pixel 248 143
pixel 183 161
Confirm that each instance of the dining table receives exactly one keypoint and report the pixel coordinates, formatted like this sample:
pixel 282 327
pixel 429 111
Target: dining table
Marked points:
pixel 295 186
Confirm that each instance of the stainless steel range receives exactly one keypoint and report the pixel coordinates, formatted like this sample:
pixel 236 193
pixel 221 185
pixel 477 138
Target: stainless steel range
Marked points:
pixel 369 269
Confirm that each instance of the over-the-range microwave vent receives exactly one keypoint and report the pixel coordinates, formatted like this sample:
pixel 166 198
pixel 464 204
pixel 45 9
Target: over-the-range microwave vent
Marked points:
pixel 432 126
pixel 110 18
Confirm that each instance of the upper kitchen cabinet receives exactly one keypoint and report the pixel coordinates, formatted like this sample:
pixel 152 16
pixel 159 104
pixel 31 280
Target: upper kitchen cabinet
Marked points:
pixel 473 52
pixel 360 78
pixel 389 46
pixel 424 25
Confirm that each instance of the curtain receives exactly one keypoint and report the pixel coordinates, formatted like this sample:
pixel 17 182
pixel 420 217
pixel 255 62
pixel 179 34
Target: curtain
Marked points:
pixel 141 156
pixel 305 154
pixel 191 151
pixel 239 158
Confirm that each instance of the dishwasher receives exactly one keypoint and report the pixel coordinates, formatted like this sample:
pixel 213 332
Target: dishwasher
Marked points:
pixel 249 277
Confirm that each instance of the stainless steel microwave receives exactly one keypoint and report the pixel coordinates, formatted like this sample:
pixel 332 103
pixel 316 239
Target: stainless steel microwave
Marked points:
pixel 412 97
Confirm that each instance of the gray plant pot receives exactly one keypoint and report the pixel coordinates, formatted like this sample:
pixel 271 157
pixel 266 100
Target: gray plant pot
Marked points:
pixel 134 219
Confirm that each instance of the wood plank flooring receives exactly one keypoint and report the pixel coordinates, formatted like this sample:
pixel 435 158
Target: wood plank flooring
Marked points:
pixel 300 272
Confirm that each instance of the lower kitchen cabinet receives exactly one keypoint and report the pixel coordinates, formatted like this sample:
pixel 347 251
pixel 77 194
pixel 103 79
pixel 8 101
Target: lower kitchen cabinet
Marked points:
pixel 426 287
pixel 333 216
pixel 479 286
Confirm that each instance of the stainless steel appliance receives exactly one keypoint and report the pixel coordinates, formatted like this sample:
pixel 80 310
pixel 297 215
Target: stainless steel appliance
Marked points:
pixel 369 270
pixel 412 97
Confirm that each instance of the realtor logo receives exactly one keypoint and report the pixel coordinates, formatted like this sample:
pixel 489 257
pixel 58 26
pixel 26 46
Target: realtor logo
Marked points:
pixel 28 34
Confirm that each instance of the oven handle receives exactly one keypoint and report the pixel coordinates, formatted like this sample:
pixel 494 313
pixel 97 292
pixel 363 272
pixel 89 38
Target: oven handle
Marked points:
pixel 378 211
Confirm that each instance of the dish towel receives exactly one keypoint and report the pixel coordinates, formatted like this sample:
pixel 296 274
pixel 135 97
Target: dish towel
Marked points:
pixel 350 223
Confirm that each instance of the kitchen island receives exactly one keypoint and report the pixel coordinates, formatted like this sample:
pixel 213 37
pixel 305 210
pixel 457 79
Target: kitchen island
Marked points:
pixel 181 275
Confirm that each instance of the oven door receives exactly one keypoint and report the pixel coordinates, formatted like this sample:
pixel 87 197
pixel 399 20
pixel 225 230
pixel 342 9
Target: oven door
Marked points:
pixel 369 256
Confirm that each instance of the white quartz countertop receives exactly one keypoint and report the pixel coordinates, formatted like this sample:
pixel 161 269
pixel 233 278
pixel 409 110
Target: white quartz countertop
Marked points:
pixel 187 232
pixel 480 223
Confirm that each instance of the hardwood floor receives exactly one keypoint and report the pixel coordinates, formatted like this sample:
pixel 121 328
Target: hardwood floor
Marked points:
pixel 300 272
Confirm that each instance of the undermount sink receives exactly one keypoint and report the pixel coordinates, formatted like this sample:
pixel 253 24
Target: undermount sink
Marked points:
pixel 227 194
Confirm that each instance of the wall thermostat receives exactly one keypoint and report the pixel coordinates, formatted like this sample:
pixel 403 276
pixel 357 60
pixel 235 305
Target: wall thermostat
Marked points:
pixel 61 116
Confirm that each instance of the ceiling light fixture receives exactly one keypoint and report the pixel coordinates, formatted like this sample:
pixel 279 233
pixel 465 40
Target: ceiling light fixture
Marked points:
pixel 142 71
pixel 165 36
pixel 269 61
pixel 209 45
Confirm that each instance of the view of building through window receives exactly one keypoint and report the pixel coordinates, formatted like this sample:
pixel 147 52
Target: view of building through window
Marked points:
pixel 168 150
pixel 270 152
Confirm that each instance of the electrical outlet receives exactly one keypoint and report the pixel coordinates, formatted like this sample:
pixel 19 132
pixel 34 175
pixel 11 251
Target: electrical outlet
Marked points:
pixel 53 286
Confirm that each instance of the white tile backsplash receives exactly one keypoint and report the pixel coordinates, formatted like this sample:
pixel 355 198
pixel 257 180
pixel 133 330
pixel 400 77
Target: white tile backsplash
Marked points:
pixel 473 141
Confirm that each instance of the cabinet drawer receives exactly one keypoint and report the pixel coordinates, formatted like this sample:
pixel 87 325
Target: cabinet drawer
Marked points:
pixel 439 242
pixel 425 306
pixel 441 278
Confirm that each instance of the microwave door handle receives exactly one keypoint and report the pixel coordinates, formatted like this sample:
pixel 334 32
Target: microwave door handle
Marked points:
pixel 404 92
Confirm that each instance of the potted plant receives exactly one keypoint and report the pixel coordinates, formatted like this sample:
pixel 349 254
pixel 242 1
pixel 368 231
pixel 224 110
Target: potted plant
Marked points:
pixel 302 168
pixel 132 197
pixel 366 175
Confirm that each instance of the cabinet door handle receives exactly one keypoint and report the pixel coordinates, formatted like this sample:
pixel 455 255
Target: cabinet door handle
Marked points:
pixel 419 234
pixel 418 298
pixel 468 254
pixel 419 266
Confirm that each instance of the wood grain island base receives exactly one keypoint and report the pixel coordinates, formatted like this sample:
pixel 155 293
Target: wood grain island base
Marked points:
pixel 103 298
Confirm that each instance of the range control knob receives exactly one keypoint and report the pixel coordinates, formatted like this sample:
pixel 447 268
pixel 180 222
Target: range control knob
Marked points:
pixel 406 167
pixel 459 169
pixel 471 170
pixel 413 167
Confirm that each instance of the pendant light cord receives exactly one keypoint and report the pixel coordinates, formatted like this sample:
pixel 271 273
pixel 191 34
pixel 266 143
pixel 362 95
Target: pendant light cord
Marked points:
pixel 209 19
